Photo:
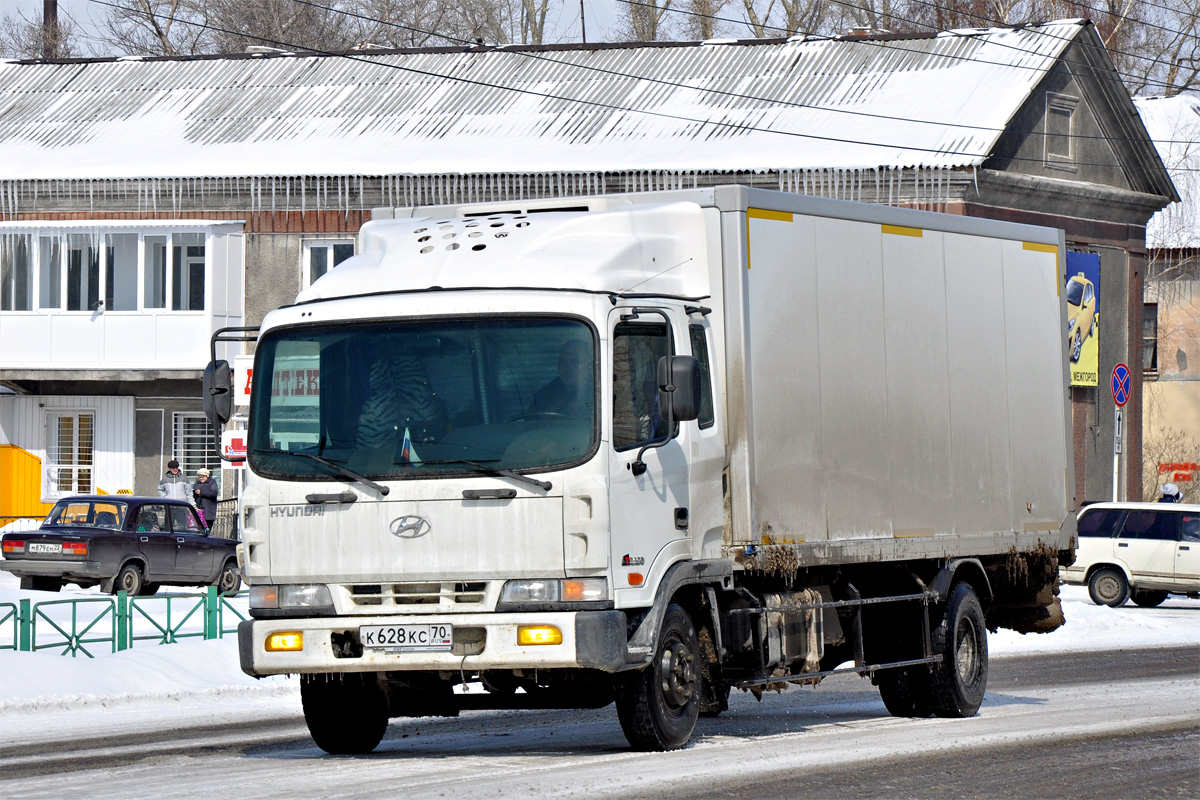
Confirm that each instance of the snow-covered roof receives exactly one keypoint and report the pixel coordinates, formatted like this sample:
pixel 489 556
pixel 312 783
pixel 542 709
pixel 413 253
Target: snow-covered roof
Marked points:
pixel 1174 125
pixel 845 103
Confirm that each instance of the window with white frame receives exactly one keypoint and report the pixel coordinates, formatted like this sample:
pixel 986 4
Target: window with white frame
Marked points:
pixel 194 445
pixel 150 270
pixel 322 255
pixel 70 453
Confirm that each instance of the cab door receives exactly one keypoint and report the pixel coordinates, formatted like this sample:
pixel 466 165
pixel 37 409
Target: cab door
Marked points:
pixel 648 512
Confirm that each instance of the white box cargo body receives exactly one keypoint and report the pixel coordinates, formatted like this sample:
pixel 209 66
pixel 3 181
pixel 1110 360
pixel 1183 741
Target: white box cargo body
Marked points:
pixel 789 435
pixel 904 378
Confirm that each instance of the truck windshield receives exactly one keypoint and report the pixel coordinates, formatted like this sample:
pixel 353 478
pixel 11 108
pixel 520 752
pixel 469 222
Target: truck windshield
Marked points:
pixel 395 400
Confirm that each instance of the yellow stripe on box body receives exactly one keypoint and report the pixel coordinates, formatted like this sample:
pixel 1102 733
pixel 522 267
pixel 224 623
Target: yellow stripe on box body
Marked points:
pixel 900 230
pixel 762 213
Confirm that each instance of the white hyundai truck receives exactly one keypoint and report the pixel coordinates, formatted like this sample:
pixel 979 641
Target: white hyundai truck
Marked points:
pixel 644 449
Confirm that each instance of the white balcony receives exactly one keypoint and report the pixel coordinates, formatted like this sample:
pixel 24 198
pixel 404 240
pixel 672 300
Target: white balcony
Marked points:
pixel 117 296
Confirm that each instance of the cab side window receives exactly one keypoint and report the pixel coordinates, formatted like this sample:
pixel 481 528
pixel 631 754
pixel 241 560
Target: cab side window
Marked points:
pixel 700 353
pixel 637 347
pixel 184 521
pixel 1160 525
pixel 1103 522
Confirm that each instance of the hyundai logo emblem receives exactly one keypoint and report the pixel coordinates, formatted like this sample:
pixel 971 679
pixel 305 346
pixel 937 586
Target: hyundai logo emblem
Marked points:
pixel 410 527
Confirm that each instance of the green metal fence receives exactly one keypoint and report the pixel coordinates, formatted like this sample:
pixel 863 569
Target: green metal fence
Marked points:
pixel 88 625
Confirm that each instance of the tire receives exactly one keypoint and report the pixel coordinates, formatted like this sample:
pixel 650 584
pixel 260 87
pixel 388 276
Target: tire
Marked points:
pixel 128 580
pixel 230 580
pixel 958 683
pixel 346 713
pixel 659 705
pixel 1108 587
pixel 905 691
pixel 1148 599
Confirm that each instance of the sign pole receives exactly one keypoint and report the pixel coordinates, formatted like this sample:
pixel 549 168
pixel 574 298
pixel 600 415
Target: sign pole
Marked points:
pixel 1120 390
pixel 1118 421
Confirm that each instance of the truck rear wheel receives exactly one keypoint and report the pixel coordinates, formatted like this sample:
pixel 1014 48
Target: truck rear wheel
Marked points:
pixel 905 691
pixel 958 683
pixel 346 713
pixel 659 705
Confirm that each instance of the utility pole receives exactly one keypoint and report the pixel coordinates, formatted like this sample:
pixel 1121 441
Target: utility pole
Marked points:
pixel 582 22
pixel 49 28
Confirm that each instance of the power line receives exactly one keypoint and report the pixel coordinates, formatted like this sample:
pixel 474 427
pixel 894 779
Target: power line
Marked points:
pixel 606 106
pixel 737 95
pixel 898 18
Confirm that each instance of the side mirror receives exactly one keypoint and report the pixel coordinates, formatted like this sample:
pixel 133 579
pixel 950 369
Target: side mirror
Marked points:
pixel 679 386
pixel 217 391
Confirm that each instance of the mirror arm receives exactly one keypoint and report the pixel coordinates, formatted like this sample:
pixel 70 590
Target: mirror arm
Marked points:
pixel 638 467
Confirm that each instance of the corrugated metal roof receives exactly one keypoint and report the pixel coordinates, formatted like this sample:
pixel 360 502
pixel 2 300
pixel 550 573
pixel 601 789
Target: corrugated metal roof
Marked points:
pixel 843 103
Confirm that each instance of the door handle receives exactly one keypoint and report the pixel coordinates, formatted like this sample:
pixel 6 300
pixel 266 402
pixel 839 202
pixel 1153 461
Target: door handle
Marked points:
pixel 1184 547
pixel 143 538
pixel 179 539
pixel 1122 544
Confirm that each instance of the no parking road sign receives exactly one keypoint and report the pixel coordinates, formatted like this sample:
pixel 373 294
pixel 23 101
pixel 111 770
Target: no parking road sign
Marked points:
pixel 1120 384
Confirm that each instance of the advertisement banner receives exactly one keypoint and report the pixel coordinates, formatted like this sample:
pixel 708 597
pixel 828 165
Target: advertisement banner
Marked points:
pixel 1083 317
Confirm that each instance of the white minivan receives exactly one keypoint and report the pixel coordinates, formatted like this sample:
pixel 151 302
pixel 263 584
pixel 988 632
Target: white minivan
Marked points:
pixel 1140 550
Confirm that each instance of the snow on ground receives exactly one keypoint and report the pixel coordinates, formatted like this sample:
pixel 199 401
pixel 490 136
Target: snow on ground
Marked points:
pixel 196 681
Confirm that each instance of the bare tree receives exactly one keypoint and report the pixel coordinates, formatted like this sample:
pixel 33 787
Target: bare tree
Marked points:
pixel 701 20
pixel 645 20
pixel 24 37
pixel 157 27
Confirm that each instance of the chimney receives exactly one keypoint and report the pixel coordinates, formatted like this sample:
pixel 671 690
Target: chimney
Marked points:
pixel 49 28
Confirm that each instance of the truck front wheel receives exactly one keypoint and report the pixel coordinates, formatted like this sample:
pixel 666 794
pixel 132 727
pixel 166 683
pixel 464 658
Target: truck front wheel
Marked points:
pixel 659 705
pixel 957 684
pixel 346 713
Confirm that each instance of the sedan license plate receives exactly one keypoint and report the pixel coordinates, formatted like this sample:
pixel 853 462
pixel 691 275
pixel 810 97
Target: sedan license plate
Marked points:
pixel 43 547
pixel 408 638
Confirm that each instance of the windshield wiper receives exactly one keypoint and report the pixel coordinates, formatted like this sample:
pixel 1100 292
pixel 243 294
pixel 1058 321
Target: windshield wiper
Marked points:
pixel 338 468
pixel 505 473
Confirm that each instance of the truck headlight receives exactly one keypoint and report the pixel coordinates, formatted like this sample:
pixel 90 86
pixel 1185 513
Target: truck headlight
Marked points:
pixel 309 595
pixel 570 590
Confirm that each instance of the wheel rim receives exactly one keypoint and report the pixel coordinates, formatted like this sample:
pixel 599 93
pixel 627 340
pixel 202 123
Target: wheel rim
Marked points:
pixel 966 654
pixel 227 580
pixel 1108 587
pixel 129 581
pixel 677 674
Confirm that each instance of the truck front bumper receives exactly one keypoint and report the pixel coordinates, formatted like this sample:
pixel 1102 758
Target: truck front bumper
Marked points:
pixel 590 639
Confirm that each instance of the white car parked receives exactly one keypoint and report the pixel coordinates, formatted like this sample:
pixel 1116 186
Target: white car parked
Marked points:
pixel 1140 550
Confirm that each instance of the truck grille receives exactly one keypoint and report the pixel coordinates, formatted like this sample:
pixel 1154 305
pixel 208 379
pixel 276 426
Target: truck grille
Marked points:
pixel 420 596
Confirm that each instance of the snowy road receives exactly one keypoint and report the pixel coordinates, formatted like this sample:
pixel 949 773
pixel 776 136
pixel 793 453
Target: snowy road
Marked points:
pixel 785 741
